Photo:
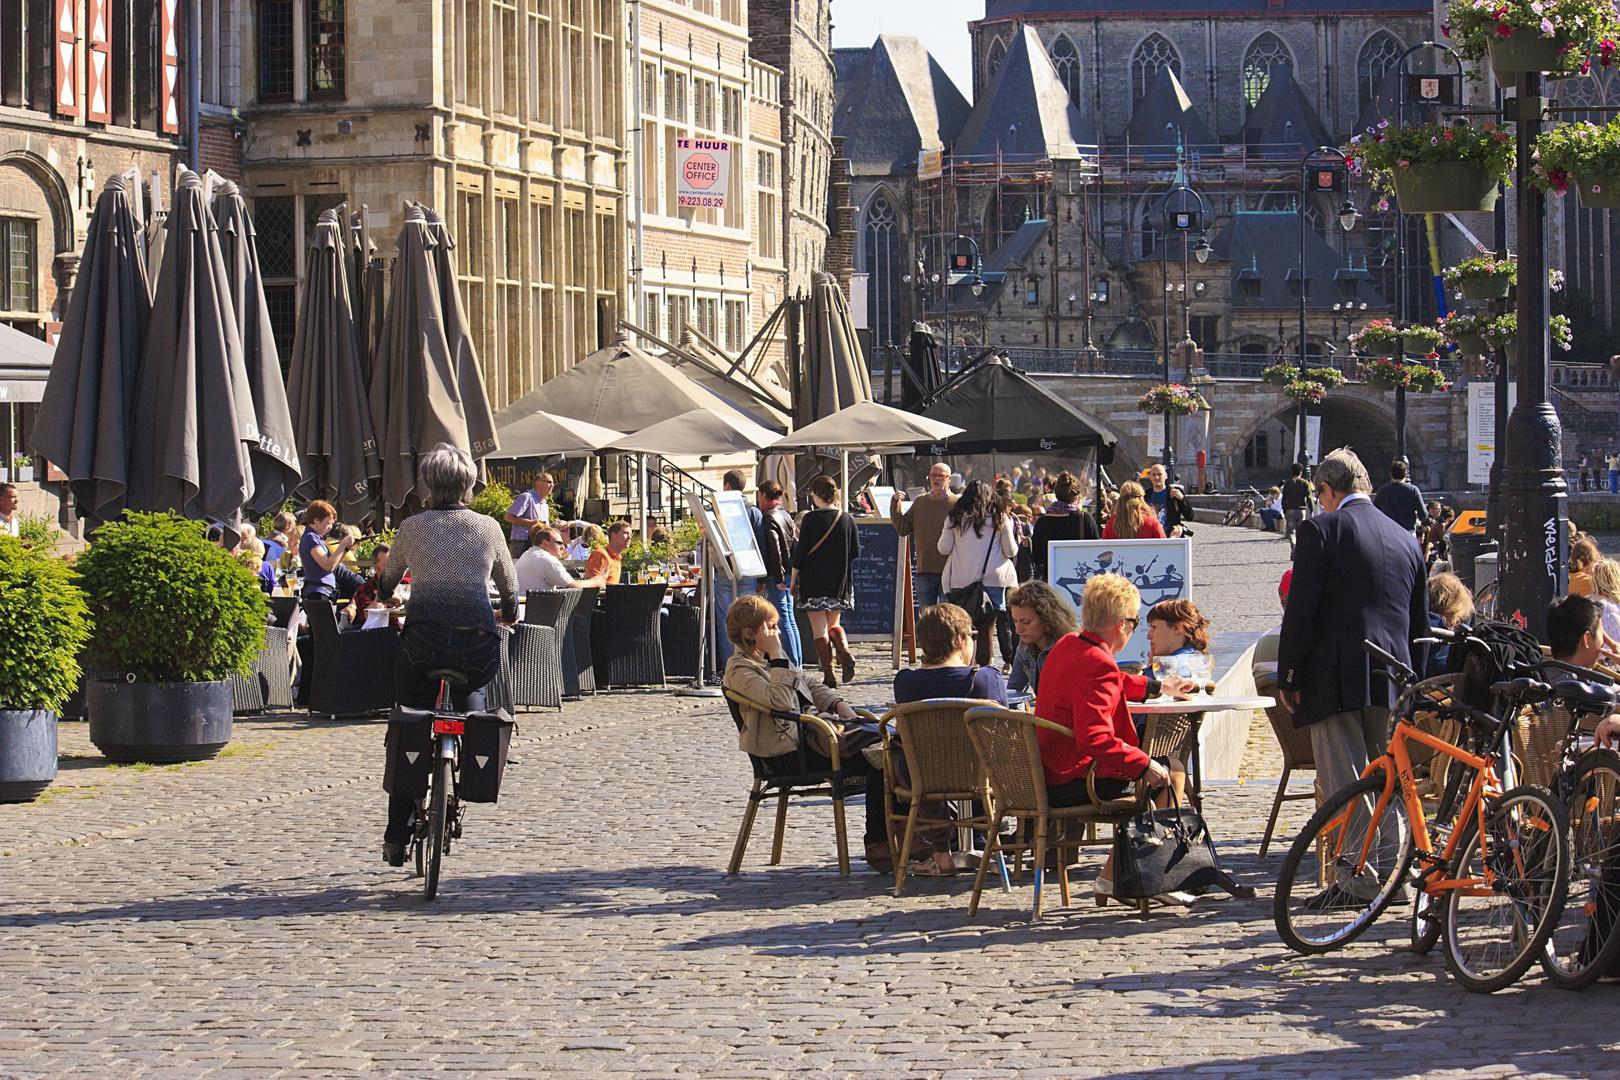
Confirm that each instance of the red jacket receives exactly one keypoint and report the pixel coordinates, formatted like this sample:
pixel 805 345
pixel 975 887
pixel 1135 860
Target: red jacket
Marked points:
pixel 1150 530
pixel 1083 689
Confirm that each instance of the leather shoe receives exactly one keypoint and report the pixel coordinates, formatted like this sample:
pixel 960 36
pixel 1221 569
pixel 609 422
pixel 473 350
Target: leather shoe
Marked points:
pixel 393 854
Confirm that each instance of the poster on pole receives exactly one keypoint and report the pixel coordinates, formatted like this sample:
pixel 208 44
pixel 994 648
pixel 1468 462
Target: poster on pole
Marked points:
pixel 1313 438
pixel 702 167
pixel 1155 436
pixel 1482 428
pixel 1161 569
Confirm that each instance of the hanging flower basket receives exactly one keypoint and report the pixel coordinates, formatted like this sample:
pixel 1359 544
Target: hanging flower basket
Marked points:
pixel 1466 332
pixel 1420 340
pixel 1584 156
pixel 1599 192
pixel 1471 344
pixel 1378 338
pixel 1170 399
pixel 1306 392
pixel 1503 331
pixel 1484 277
pixel 1280 374
pixel 1422 379
pixel 1555 36
pixel 1328 377
pixel 1384 374
pixel 1527 50
pixel 1434 168
pixel 1445 187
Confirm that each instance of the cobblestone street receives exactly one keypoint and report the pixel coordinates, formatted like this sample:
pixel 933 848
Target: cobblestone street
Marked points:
pixel 234 919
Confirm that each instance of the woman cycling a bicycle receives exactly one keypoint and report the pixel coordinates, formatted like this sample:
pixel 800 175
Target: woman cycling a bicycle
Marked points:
pixel 450 552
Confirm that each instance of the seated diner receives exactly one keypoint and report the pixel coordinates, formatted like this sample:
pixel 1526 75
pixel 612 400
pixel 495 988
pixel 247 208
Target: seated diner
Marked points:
pixel 1039 618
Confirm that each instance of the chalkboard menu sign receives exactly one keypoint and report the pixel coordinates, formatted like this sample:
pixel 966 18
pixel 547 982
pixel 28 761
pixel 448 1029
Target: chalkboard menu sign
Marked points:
pixel 876 578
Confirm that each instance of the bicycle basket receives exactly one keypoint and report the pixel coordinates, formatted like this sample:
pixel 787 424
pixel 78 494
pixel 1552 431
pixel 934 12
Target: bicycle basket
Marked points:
pixel 1490 653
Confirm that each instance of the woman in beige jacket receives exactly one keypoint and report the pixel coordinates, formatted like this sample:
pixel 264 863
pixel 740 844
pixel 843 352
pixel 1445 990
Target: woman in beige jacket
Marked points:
pixel 760 671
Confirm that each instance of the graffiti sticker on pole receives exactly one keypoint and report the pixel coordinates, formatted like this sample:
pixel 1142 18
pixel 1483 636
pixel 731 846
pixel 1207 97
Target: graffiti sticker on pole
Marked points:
pixel 702 167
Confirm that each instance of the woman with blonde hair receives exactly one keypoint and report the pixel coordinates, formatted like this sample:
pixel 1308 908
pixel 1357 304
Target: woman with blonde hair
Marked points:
pixel 1606 591
pixel 1132 519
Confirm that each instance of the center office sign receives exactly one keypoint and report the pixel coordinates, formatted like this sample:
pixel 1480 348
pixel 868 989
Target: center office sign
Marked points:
pixel 702 167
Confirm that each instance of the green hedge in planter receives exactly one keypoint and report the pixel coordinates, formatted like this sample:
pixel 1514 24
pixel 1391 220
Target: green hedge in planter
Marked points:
pixel 43 622
pixel 494 501
pixel 168 605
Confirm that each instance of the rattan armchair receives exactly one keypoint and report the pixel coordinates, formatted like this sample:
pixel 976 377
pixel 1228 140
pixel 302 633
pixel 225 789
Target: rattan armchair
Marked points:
pixel 941 765
pixel 793 774
pixel 1007 747
pixel 268 685
pixel 579 674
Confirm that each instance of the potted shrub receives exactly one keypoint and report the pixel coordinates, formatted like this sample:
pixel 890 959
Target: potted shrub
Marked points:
pixel 1503 331
pixel 1378 338
pixel 24 468
pixel 1306 392
pixel 1170 399
pixel 1466 332
pixel 1484 277
pixel 177 616
pixel 1555 36
pixel 1433 168
pixel 1421 340
pixel 44 623
pixel 1584 156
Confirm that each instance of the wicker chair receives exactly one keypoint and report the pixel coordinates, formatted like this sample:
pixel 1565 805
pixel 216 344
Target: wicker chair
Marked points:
pixel 1296 754
pixel 534 664
pixel 1007 747
pixel 942 765
pixel 625 641
pixel 350 672
pixel 793 774
pixel 1538 740
pixel 498 692
pixel 268 685
pixel 281 610
pixel 579 675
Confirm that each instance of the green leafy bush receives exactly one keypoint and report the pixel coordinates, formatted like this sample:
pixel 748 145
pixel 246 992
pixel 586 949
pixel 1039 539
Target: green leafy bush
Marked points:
pixel 44 622
pixel 168 605
pixel 366 549
pixel 38 530
pixel 687 535
pixel 493 502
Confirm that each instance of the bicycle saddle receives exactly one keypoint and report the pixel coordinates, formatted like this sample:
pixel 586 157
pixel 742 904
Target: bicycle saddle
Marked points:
pixel 1525 688
pixel 454 678
pixel 1585 696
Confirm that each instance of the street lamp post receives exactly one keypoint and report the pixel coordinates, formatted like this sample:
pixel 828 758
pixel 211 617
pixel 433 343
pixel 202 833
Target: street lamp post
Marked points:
pixel 974 281
pixel 1334 177
pixel 1185 218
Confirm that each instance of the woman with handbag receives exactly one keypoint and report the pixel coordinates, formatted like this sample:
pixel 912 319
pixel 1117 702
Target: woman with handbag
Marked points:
pixel 823 575
pixel 980 547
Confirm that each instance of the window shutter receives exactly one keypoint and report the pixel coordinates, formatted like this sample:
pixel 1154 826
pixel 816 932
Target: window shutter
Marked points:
pixel 98 104
pixel 169 35
pixel 67 58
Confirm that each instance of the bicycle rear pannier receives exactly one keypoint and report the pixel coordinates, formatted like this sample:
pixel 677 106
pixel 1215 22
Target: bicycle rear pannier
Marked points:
pixel 483 755
pixel 1501 649
pixel 409 752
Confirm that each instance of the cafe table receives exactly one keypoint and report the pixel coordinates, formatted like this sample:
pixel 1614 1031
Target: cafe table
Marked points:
pixel 1157 710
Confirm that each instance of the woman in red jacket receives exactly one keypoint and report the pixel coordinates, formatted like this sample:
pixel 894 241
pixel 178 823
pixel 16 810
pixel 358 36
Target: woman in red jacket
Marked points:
pixel 1133 518
pixel 1083 689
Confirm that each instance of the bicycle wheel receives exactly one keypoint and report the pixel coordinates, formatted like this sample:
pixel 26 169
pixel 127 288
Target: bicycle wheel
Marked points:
pixel 1583 946
pixel 419 836
pixel 1340 901
pixel 1231 516
pixel 1428 919
pixel 438 799
pixel 1495 931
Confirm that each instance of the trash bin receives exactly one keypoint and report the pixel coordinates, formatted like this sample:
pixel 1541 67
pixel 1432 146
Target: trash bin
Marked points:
pixel 1468 542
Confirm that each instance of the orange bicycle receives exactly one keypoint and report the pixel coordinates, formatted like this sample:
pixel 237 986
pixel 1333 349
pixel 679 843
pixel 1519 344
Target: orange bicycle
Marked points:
pixel 1495 891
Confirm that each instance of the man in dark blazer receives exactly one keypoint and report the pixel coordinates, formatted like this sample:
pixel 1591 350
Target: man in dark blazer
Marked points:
pixel 1400 499
pixel 1358 576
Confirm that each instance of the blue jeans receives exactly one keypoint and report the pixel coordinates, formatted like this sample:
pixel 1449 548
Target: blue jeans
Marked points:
pixel 925 589
pixel 1614 482
pixel 791 644
pixel 724 593
pixel 1269 517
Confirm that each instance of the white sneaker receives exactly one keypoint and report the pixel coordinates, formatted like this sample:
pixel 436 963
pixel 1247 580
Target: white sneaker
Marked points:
pixel 1177 898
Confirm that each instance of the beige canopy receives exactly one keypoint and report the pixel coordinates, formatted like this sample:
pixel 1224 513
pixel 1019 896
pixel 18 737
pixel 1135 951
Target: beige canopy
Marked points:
pixel 867 426
pixel 542 434
pixel 699 433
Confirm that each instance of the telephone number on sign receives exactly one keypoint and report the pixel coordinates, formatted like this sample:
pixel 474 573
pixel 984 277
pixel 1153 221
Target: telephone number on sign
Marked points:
pixel 703 202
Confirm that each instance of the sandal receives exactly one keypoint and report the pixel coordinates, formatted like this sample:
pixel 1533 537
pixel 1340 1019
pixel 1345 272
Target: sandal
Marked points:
pixel 932 867
pixel 879 858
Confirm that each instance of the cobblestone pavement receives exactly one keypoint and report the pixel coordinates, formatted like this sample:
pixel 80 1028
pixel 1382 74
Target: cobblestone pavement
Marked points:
pixel 233 919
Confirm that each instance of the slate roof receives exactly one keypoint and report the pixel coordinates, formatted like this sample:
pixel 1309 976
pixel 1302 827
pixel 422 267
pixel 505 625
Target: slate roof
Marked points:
pixel 893 100
pixel 1004 9
pixel 1017 250
pixel 1265 245
pixel 1164 111
pixel 1026 112
pixel 1284 116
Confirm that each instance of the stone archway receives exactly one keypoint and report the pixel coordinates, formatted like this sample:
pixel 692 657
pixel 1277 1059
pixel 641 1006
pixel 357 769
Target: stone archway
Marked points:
pixel 1352 417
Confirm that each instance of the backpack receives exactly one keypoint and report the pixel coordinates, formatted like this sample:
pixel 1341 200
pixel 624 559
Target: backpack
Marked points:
pixel 1492 652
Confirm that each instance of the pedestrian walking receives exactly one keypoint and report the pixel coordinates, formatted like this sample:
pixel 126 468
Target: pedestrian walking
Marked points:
pixel 530 510
pixel 1358 575
pixel 778 535
pixel 1613 463
pixel 1400 499
pixel 823 562
pixel 979 544
pixel 1296 501
pixel 923 522
pixel 1586 471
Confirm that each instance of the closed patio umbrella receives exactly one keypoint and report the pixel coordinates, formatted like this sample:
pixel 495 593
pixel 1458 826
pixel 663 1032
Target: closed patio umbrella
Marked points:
pixel 544 435
pixel 699 433
pixel 275 457
pixel 193 418
pixel 469 377
pixel 331 413
pixel 83 426
pixel 425 384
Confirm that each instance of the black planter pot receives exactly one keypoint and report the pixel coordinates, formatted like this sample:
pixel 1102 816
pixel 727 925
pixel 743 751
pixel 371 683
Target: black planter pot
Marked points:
pixel 159 722
pixel 27 753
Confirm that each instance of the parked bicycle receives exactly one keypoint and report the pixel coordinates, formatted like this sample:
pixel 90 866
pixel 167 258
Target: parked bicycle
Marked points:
pixel 1245 508
pixel 1494 892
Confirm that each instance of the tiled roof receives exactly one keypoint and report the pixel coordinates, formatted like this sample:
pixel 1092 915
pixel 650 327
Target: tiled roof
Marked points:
pixel 1026 112
pixel 1166 112
pixel 1264 245
pixel 893 100
pixel 1283 116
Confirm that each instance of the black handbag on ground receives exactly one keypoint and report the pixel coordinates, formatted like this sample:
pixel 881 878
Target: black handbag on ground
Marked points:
pixel 1168 850
pixel 972 598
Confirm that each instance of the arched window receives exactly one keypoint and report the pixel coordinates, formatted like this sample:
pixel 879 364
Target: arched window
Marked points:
pixel 1067 61
pixel 1378 58
pixel 1267 55
pixel 993 59
pixel 1154 53
pixel 883 306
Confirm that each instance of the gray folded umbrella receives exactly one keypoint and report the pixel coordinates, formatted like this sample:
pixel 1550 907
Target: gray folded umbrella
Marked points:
pixel 275 457
pixel 83 426
pixel 193 419
pixel 834 368
pixel 425 384
pixel 327 385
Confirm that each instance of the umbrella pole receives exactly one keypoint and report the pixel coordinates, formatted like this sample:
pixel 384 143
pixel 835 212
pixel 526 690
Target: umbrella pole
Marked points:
pixel 706 615
pixel 843 475
pixel 641 495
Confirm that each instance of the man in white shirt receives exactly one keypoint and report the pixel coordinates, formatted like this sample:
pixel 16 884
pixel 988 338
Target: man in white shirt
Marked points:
pixel 541 566
pixel 10 524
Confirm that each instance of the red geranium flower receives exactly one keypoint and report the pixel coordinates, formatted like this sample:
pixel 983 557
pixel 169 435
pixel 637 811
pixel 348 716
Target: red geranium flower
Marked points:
pixel 1504 30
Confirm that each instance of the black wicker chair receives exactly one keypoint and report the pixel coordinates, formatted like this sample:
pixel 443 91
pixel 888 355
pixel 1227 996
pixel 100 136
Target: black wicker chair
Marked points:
pixel 499 693
pixel 250 692
pixel 349 672
pixel 534 666
pixel 801 772
pixel 281 610
pixel 579 677
pixel 625 640
pixel 680 630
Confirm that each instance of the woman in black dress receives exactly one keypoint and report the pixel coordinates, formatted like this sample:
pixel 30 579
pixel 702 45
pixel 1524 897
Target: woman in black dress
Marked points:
pixel 823 576
pixel 1063 520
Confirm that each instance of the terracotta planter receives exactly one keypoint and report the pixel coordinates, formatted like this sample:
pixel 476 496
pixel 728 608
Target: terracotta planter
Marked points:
pixel 1526 50
pixel 1444 187
pixel 1494 287
pixel 1599 192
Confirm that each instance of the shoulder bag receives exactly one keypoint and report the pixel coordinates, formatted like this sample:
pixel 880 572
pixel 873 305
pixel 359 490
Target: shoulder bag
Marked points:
pixel 972 598
pixel 1168 850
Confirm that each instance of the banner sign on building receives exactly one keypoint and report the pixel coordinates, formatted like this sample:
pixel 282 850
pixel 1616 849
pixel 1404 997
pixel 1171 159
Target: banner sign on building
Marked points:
pixel 702 167
pixel 930 164
pixel 1482 428
pixel 1155 436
